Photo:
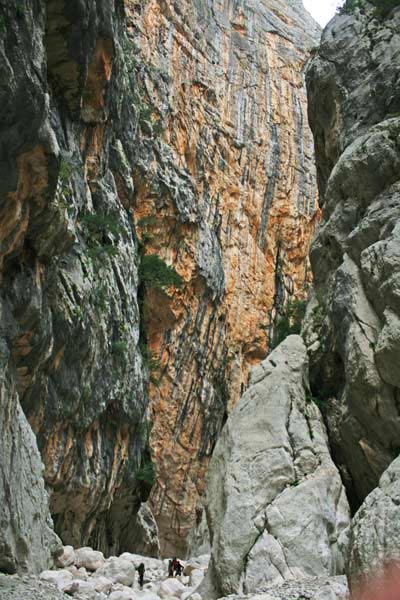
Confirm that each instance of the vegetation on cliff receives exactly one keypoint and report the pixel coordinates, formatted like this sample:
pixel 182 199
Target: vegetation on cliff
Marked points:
pixel 383 7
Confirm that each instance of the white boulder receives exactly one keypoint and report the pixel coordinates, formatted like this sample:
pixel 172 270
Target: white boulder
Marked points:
pixel 200 562
pixel 122 595
pixel 102 584
pixel 275 501
pixel 67 558
pixel 147 595
pixel 118 570
pixel 80 573
pixel 196 577
pixel 79 586
pixel 89 559
pixel 58 578
pixel 187 593
pixel 171 588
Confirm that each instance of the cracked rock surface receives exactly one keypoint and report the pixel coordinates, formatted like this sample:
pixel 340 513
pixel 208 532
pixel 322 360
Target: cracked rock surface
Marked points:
pixel 375 529
pixel 276 507
pixel 353 322
pixel 330 588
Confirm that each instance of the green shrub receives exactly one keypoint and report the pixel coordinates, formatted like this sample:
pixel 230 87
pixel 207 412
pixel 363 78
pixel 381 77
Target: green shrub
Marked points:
pixel 151 363
pixel 101 223
pixel 350 6
pixel 65 171
pixel 320 402
pixel 146 473
pixel 382 7
pixel 100 297
pixel 290 322
pixel 155 273
pixel 318 316
pixel 101 251
pixel 120 348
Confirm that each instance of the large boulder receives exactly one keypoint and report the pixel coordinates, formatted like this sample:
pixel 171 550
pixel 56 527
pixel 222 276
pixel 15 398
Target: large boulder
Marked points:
pixel 276 506
pixel 27 540
pixel 80 587
pixel 375 529
pixel 102 584
pixel 118 570
pixel 89 559
pixel 196 577
pixel 171 588
pixel 122 595
pixel 66 558
pixel 60 578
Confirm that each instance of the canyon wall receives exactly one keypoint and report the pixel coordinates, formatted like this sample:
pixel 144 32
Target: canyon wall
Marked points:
pixel 129 129
pixel 352 334
pixel 230 200
pixel 70 317
pixel 353 322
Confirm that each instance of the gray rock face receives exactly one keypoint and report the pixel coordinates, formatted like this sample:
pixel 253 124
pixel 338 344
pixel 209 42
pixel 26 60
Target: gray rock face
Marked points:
pixel 332 588
pixel 276 506
pixel 27 539
pixel 353 321
pixel 375 529
pixel 142 535
pixel 69 259
pixel 15 588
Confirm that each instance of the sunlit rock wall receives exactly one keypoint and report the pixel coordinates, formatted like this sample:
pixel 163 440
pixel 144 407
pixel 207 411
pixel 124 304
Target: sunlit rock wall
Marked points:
pixel 230 199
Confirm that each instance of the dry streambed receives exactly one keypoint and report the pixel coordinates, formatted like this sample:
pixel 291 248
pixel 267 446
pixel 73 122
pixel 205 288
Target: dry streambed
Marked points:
pixel 85 574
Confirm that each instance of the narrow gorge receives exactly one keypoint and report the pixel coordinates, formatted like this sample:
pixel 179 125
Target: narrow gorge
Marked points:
pixel 199 309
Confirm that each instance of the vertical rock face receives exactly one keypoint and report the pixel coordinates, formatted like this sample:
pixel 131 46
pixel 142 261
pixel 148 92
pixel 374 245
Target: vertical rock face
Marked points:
pixel 69 312
pixel 27 539
pixel 354 320
pixel 276 506
pixel 229 197
pixel 375 529
pixel 184 121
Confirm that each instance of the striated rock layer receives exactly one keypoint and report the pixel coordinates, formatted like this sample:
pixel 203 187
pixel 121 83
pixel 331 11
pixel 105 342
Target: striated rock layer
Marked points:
pixel 353 323
pixel 276 506
pixel 69 313
pixel 184 121
pixel 27 539
pixel 227 194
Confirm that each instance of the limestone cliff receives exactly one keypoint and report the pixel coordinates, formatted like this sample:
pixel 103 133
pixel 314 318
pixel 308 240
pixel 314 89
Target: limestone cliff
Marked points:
pixel 276 506
pixel 69 311
pixel 353 328
pixel 129 129
pixel 228 197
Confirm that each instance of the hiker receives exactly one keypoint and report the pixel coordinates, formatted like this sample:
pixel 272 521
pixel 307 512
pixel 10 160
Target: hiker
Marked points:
pixel 141 570
pixel 170 569
pixel 177 567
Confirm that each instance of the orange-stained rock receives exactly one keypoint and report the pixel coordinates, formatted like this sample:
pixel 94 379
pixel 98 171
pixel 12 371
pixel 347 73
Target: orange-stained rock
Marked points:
pixel 228 87
pixel 183 123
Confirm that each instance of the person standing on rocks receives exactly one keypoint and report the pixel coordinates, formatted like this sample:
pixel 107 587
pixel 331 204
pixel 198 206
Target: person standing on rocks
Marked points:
pixel 176 567
pixel 141 569
pixel 170 569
